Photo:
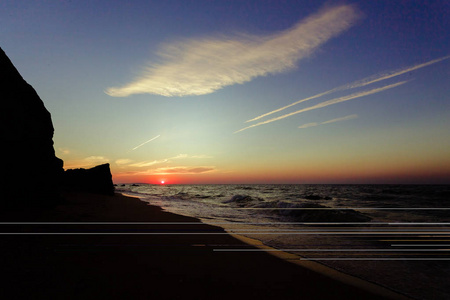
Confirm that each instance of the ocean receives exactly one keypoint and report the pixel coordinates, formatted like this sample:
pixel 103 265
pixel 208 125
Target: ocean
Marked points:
pixel 397 236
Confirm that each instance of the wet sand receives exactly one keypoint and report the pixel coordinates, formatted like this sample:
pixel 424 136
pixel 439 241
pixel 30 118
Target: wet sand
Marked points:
pixel 90 247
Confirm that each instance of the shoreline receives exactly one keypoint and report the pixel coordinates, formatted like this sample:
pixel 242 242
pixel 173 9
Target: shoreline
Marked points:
pixel 324 270
pixel 314 266
pixel 121 247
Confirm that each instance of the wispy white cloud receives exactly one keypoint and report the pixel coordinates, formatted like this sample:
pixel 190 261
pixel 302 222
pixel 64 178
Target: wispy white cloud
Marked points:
pixel 180 156
pixel 123 161
pixel 148 163
pixel 170 170
pixel 183 170
pixel 63 151
pixel 201 156
pixel 96 159
pixel 198 67
pixel 349 117
pixel 356 84
pixel 328 103
pixel 152 139
pixel 86 162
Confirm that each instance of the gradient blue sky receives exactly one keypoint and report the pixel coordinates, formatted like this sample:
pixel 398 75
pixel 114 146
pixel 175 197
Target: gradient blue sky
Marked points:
pixel 162 89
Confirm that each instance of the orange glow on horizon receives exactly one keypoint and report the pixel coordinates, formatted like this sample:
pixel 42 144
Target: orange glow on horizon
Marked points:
pixel 332 174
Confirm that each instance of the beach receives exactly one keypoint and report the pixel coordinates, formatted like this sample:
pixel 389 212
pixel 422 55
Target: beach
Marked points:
pixel 117 247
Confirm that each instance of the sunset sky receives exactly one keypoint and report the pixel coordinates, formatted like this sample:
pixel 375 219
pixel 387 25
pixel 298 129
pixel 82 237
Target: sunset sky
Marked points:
pixel 241 91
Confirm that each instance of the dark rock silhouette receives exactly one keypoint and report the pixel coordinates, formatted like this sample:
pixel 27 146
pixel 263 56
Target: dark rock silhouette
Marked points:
pixel 94 180
pixel 30 170
pixel 32 175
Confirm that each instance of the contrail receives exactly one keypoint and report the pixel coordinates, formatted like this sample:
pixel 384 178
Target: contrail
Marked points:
pixel 292 104
pixel 356 84
pixel 327 103
pixel 387 75
pixel 146 142
pixel 307 125
pixel 346 118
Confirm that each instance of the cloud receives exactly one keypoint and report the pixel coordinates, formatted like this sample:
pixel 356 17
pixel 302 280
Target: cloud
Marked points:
pixel 183 170
pixel 145 142
pixel 170 171
pixel 64 151
pixel 179 156
pixel 201 156
pixel 357 84
pixel 86 162
pixel 202 66
pixel 123 161
pixel 96 159
pixel 328 103
pixel 307 125
pixel 350 117
pixel 148 163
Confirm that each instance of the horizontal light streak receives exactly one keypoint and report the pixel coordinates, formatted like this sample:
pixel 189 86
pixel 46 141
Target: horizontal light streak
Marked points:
pixel 108 233
pixel 337 230
pixel 419 223
pixel 344 208
pixel 223 223
pixel 331 250
pixel 350 232
pixel 420 245
pixel 102 223
pixel 423 240
pixel 246 232
pixel 375 258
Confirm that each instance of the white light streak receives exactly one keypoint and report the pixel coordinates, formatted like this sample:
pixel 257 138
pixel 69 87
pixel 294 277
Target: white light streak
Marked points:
pixel 152 139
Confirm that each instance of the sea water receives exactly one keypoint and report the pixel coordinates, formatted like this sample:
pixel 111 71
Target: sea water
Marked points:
pixel 397 236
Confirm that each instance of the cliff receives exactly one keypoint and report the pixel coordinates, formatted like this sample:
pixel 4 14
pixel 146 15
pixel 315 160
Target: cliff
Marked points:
pixel 32 175
pixel 31 171
pixel 94 180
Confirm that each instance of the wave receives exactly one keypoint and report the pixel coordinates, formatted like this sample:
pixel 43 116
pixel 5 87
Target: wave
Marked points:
pixel 314 212
pixel 300 212
pixel 242 200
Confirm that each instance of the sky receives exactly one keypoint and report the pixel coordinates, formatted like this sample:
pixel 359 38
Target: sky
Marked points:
pixel 262 91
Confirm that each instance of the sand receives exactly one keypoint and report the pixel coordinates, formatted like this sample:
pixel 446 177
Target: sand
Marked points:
pixel 84 256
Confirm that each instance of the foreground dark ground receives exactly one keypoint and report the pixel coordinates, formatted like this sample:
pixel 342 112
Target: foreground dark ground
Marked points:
pixel 160 265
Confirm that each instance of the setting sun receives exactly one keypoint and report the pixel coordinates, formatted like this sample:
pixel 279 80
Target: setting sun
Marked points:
pixel 162 181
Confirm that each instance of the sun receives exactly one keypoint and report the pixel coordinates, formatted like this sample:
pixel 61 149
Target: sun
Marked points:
pixel 162 182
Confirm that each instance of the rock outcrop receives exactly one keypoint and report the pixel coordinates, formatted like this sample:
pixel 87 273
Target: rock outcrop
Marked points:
pixel 30 170
pixel 94 180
